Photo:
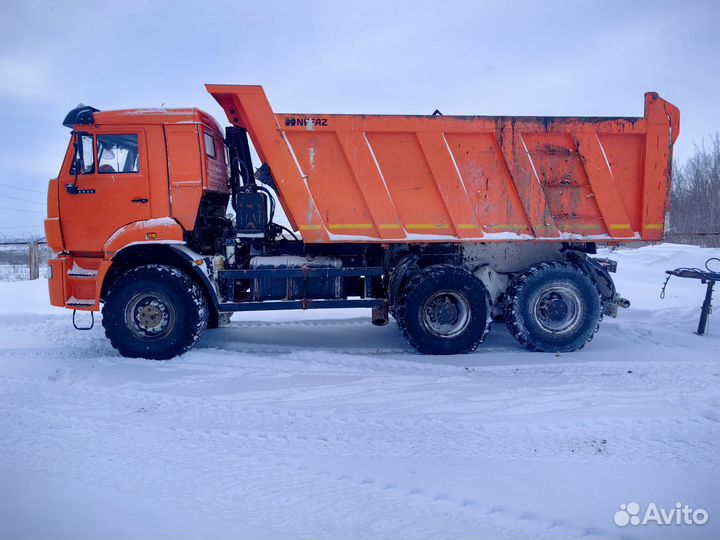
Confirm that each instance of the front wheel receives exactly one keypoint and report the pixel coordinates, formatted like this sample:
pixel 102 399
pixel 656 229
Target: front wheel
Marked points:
pixel 443 310
pixel 155 312
pixel 553 307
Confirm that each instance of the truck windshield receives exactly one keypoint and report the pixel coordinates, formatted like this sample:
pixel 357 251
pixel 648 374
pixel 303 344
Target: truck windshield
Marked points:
pixel 117 154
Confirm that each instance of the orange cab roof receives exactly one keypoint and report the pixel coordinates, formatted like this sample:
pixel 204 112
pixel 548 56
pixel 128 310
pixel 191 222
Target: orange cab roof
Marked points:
pixel 155 116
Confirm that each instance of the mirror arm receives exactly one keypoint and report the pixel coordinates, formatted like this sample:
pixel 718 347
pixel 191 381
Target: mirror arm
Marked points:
pixel 72 189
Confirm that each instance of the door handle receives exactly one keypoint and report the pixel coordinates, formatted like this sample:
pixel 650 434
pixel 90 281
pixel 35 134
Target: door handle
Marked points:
pixel 141 201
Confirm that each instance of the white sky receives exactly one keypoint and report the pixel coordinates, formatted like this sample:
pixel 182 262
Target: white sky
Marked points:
pixel 484 57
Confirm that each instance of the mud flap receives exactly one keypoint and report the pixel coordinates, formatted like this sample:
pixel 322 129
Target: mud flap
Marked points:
pixel 599 270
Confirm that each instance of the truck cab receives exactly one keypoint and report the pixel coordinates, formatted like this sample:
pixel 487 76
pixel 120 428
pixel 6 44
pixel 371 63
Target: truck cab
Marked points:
pixel 130 177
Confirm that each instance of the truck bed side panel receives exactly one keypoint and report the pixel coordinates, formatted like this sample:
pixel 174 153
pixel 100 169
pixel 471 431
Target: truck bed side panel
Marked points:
pixel 345 178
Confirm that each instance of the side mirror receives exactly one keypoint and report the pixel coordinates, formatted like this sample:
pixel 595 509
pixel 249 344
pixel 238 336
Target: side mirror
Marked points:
pixel 78 165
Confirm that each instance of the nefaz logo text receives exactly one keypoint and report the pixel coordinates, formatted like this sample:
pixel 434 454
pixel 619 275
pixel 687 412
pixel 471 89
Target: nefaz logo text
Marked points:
pixel 310 122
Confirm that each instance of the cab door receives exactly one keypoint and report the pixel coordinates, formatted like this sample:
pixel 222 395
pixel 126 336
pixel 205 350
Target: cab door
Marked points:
pixel 109 189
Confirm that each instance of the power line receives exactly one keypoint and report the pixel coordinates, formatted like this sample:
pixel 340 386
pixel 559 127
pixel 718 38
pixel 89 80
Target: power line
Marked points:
pixel 19 210
pixel 17 222
pixel 19 199
pixel 23 189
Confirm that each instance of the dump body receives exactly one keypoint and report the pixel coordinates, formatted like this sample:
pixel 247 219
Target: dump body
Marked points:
pixel 402 179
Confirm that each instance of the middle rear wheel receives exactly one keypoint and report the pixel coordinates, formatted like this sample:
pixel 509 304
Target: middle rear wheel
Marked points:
pixel 553 307
pixel 444 310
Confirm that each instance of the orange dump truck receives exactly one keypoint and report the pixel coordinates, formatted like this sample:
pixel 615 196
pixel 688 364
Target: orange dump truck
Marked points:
pixel 443 222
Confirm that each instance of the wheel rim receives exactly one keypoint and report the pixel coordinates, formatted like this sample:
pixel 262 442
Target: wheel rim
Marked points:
pixel 557 309
pixel 150 316
pixel 446 314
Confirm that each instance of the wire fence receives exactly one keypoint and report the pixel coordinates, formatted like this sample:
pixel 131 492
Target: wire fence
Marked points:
pixel 20 261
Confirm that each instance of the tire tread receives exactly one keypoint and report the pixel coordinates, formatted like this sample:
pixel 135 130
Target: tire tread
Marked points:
pixel 113 315
pixel 401 309
pixel 511 306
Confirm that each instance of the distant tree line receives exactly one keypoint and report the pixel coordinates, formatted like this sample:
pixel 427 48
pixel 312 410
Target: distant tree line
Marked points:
pixel 696 191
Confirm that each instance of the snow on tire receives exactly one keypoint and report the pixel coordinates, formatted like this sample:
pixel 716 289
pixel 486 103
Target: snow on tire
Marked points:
pixel 553 307
pixel 154 312
pixel 443 310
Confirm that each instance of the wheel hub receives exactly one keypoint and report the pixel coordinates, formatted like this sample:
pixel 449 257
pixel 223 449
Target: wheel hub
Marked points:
pixel 149 315
pixel 446 314
pixel 554 307
pixel 558 309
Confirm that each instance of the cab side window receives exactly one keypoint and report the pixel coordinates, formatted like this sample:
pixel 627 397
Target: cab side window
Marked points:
pixel 210 145
pixel 85 156
pixel 118 154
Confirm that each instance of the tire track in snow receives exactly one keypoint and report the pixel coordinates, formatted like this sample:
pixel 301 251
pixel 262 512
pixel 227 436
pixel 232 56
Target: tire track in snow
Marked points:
pixel 558 442
pixel 239 486
pixel 304 431
pixel 380 360
pixel 52 387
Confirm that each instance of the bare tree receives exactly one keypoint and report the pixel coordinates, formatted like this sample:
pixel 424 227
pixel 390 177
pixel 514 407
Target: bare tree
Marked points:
pixel 696 191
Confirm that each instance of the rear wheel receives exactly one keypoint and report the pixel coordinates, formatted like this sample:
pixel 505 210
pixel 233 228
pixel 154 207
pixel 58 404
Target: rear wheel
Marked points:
pixel 553 307
pixel 443 310
pixel 155 312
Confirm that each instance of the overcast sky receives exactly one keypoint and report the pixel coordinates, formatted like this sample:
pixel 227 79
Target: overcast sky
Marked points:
pixel 481 57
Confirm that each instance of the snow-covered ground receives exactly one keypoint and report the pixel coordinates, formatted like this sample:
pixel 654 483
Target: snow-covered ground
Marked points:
pixel 319 424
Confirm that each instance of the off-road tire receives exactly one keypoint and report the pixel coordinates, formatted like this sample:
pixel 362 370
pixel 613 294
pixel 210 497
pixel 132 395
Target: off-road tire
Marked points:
pixel 185 301
pixel 524 319
pixel 441 279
